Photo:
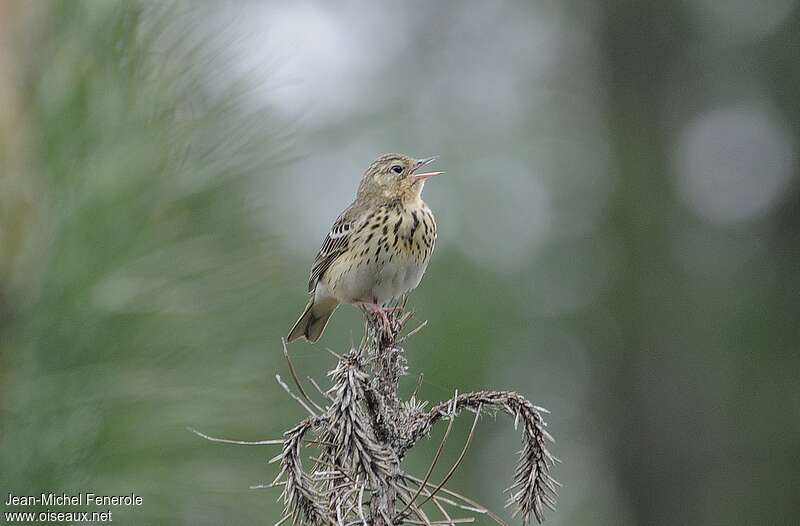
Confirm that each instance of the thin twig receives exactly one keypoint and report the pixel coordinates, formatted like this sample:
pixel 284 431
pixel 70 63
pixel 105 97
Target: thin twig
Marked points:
pixel 361 505
pixel 465 520
pixel 419 384
pixel 334 353
pixel 460 457
pixel 296 379
pixel 416 509
pixel 444 512
pixel 334 466
pixel 296 398
pixel 276 442
pixel 413 331
pixel 440 498
pixel 319 389
pixel 479 507
pixel 430 468
pixel 267 486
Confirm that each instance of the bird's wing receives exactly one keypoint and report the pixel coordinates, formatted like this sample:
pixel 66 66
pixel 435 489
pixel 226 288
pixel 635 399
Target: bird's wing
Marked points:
pixel 336 243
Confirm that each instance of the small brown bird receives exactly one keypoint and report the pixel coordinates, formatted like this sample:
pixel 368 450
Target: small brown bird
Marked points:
pixel 377 249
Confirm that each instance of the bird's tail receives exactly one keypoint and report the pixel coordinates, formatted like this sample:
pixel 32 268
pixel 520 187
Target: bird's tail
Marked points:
pixel 313 320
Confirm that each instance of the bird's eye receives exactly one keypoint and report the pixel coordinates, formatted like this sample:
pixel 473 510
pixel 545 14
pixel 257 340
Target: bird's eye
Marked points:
pixel 397 169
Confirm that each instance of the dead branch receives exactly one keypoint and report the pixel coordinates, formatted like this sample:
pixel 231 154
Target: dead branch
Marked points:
pixel 363 433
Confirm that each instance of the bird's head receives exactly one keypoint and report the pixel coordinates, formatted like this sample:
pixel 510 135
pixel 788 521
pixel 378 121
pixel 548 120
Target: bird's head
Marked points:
pixel 394 175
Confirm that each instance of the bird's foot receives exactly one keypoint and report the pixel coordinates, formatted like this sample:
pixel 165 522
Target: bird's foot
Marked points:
pixel 380 311
pixel 387 325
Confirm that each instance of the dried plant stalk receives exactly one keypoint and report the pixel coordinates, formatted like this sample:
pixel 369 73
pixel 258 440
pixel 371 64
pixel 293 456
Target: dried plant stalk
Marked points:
pixel 362 430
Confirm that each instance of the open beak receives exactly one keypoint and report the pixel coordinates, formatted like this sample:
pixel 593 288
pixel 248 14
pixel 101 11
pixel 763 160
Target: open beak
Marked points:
pixel 426 175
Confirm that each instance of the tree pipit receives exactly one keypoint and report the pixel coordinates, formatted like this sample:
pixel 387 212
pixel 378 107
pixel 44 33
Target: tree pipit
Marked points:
pixel 377 249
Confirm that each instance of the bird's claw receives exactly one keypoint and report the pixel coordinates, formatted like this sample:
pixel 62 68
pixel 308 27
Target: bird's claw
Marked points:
pixel 376 309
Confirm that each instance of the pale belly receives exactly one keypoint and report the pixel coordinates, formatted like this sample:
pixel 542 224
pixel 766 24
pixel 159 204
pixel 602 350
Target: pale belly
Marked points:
pixel 378 282
pixel 398 277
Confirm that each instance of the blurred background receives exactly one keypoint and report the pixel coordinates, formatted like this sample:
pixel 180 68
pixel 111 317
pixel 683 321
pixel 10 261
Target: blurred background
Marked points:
pixel 619 240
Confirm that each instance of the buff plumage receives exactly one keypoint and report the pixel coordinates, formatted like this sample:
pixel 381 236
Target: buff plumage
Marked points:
pixel 377 249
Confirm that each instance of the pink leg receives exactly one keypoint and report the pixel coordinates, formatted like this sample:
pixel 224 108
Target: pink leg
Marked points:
pixel 374 308
pixel 387 327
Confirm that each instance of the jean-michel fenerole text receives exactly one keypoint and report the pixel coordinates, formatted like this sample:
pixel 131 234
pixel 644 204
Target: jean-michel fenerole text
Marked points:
pixel 77 499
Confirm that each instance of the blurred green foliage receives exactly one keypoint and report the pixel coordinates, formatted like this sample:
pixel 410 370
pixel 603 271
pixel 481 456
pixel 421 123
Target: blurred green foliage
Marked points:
pixel 138 299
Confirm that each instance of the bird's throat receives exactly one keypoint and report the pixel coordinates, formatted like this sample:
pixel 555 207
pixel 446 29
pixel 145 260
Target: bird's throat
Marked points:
pixel 413 196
